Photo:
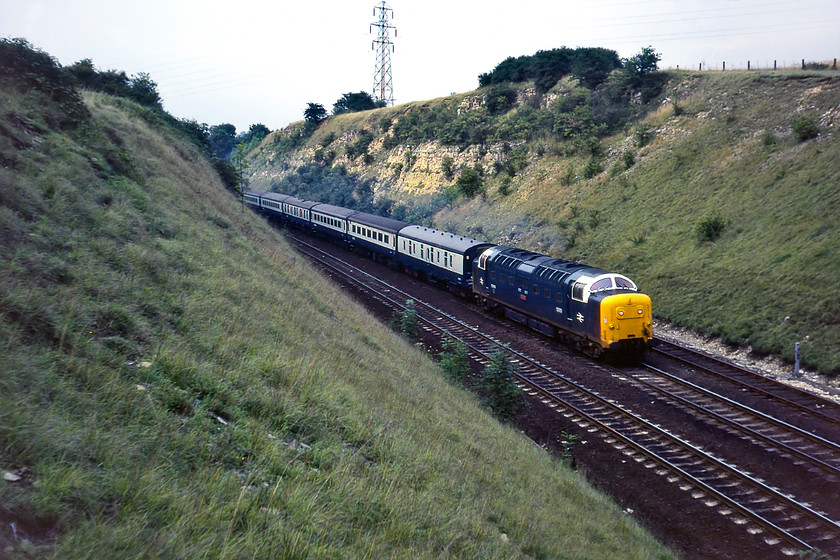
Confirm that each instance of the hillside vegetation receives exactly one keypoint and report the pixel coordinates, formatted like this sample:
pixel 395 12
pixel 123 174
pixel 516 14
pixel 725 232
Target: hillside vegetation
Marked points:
pixel 716 191
pixel 178 384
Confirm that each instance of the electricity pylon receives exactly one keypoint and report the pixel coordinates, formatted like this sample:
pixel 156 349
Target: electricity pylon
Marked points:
pixel 383 87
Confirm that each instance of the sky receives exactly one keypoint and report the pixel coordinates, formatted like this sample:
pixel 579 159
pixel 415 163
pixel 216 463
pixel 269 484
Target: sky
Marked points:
pixel 258 61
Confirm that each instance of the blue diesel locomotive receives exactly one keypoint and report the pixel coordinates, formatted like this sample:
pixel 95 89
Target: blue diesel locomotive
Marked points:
pixel 593 309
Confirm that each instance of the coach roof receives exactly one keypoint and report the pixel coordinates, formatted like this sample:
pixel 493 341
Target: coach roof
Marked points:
pixel 441 239
pixel 371 220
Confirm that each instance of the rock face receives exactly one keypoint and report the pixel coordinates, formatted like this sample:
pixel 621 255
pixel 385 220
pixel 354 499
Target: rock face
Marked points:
pixel 409 170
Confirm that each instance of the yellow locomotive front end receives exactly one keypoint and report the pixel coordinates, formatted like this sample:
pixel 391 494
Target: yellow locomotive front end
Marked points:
pixel 626 322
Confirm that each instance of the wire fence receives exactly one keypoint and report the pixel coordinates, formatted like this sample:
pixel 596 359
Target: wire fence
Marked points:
pixel 800 64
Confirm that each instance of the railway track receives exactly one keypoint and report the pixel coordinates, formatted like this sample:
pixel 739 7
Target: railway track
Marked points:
pixel 782 521
pixel 744 380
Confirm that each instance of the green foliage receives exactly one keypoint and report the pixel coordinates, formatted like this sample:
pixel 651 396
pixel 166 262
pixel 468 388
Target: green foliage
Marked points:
pixel 222 140
pixel 804 128
pixel 499 392
pixel 643 63
pixel 447 167
pixel 332 185
pixel 409 324
pixel 354 102
pixel 454 361
pixel 241 166
pixel 710 228
pixel 360 146
pixel 140 87
pixel 500 99
pixel 314 113
pixel 546 68
pixel 593 167
pixel 568 441
pixel 256 133
pixel 469 181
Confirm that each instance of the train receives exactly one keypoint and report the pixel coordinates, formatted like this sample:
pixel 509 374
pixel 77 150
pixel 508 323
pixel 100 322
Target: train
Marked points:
pixel 601 313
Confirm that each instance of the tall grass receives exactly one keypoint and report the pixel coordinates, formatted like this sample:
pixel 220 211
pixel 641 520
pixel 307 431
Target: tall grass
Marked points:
pixel 178 384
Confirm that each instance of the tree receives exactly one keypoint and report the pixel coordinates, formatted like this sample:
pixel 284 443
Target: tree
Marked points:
pixel 643 63
pixel 353 102
pixel 500 392
pixel 143 90
pixel 469 181
pixel 241 165
pixel 222 140
pixel 593 65
pixel 314 113
pixel 454 360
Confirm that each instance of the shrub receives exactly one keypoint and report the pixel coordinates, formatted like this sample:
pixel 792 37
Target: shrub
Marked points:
pixel 710 228
pixel 454 361
pixel 500 392
pixel 593 167
pixel 409 326
pixel 804 128
pixel 469 181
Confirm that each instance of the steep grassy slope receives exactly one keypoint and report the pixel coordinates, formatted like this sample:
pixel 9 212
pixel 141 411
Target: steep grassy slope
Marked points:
pixel 177 384
pixel 715 150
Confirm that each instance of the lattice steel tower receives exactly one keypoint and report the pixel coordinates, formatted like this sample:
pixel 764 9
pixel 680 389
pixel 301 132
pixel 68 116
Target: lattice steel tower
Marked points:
pixel 383 88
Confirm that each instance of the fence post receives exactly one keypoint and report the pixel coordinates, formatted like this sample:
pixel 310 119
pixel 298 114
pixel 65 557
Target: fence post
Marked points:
pixel 701 66
pixel 796 356
pixel 803 64
pixel 724 65
pixel 774 65
pixel 748 65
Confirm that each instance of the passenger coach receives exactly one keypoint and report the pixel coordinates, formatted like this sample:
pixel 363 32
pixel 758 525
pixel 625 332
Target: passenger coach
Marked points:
pixel 375 235
pixel 440 256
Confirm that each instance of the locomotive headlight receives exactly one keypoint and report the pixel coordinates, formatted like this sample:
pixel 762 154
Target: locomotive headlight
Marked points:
pixel 640 311
pixel 621 313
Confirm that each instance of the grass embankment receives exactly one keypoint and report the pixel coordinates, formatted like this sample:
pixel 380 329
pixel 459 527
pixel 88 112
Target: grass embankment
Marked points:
pixel 176 383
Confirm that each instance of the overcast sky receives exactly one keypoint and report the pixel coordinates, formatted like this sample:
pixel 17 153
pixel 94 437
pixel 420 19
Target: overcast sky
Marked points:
pixel 261 61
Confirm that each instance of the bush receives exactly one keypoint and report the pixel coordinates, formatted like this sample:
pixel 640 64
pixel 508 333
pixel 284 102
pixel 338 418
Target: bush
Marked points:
pixel 469 181
pixel 804 128
pixel 710 228
pixel 500 392
pixel 454 361
pixel 409 326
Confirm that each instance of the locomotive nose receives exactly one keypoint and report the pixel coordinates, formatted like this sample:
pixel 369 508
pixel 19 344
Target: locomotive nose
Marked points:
pixel 626 319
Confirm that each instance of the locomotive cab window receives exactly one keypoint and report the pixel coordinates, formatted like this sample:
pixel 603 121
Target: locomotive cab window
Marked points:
pixel 577 291
pixel 602 284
